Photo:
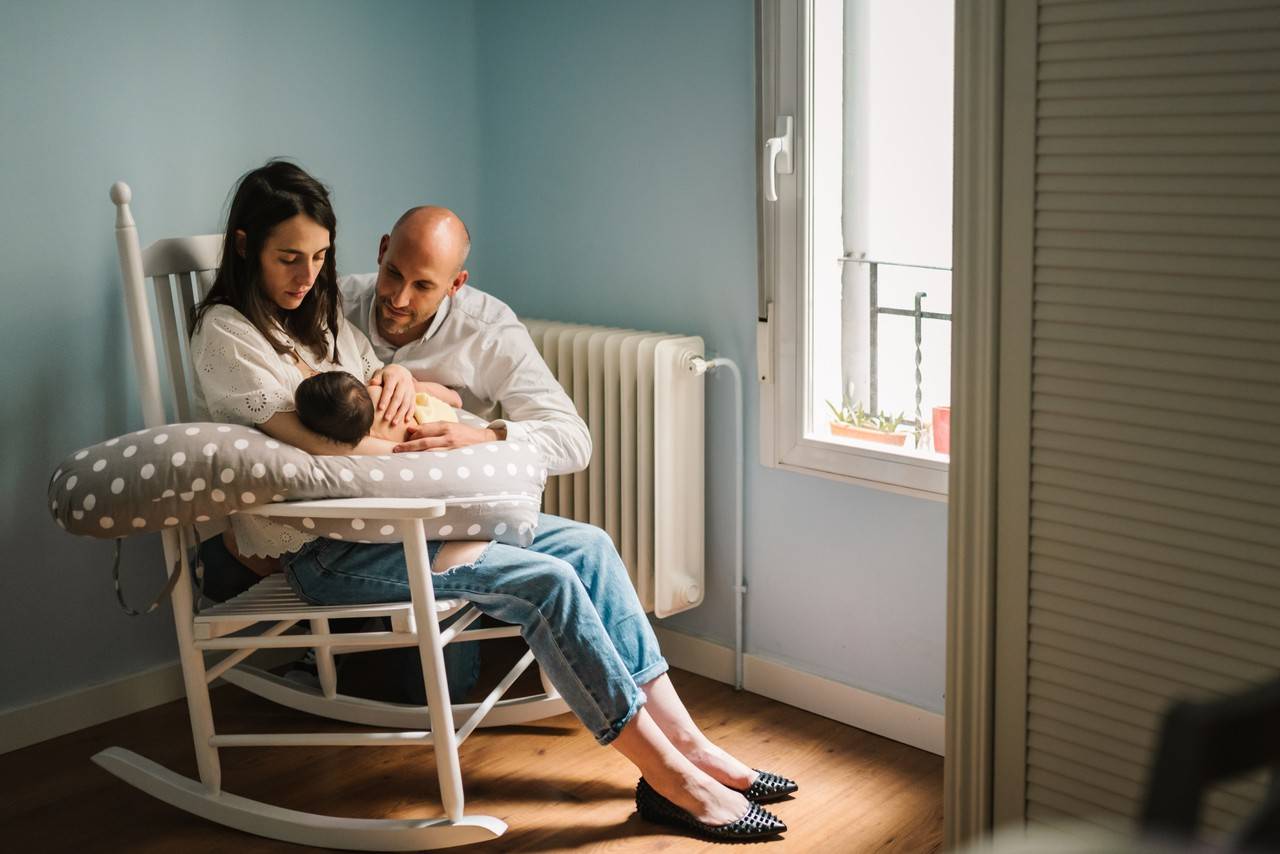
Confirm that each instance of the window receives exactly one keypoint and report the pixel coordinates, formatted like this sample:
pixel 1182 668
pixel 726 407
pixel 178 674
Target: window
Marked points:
pixel 855 333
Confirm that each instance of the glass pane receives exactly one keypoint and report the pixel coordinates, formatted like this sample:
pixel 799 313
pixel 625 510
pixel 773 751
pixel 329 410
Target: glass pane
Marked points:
pixel 879 358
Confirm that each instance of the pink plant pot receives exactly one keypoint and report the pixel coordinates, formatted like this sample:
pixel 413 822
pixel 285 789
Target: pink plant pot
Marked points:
pixel 942 429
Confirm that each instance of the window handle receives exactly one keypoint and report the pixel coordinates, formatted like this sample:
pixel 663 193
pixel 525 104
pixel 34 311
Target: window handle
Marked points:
pixel 777 156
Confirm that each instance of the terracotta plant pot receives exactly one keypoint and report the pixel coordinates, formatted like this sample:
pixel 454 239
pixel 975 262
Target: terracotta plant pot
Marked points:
pixel 866 434
pixel 942 429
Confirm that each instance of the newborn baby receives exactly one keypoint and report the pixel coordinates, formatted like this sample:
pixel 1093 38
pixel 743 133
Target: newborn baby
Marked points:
pixel 342 409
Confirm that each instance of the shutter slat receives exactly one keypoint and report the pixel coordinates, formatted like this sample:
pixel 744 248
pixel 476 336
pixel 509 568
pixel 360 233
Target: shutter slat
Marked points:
pixel 1230 210
pixel 1209 306
pixel 1153 533
pixel 1109 619
pixel 1248 228
pixel 1122 752
pixel 1202 682
pixel 1119 124
pixel 1255 290
pixel 1195 428
pixel 1161 185
pixel 1170 84
pixel 1168 439
pixel 1157 554
pixel 1169 402
pixel 1091 350
pixel 1177 51
pixel 1163 25
pixel 1263 59
pixel 1253 601
pixel 1047 703
pixel 1256 495
pixel 1139 11
pixel 1157 318
pixel 1251 165
pixel 1163 616
pixel 1164 105
pixel 1075 441
pixel 1147 243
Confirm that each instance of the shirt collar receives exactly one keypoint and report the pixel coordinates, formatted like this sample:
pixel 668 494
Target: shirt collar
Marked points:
pixel 382 345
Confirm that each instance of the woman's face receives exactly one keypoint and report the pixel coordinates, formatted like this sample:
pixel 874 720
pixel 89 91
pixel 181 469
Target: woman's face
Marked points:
pixel 291 259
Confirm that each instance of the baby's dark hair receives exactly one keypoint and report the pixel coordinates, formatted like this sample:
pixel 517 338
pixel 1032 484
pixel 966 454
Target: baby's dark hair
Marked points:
pixel 336 405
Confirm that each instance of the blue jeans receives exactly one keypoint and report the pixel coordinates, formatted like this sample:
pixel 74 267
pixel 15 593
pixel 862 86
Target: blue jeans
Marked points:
pixel 225 576
pixel 569 593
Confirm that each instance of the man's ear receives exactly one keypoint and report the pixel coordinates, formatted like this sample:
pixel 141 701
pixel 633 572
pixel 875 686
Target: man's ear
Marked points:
pixel 382 247
pixel 458 281
pixel 242 240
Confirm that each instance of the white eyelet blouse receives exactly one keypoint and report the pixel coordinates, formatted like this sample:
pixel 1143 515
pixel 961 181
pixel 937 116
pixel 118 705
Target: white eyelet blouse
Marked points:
pixel 241 379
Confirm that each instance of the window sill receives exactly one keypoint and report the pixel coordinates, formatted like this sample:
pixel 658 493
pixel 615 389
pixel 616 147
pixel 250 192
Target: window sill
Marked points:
pixel 906 473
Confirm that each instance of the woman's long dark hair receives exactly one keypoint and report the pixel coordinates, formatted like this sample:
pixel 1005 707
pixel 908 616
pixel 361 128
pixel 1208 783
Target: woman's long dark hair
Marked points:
pixel 263 199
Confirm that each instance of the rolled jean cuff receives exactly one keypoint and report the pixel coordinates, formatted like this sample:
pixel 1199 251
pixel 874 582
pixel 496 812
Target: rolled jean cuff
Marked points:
pixel 652 672
pixel 605 738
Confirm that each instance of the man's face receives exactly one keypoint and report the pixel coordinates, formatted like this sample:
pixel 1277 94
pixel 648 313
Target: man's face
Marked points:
pixel 415 274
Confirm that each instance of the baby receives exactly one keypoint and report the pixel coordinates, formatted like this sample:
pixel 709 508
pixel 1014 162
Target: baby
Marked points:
pixel 342 409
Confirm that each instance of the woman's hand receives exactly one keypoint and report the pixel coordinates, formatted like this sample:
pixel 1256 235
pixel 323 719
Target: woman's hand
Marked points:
pixel 396 403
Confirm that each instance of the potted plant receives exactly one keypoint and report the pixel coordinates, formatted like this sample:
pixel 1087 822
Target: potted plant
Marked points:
pixel 853 422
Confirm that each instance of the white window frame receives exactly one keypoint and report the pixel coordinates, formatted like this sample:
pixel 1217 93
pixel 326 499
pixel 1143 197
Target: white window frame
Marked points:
pixel 785 61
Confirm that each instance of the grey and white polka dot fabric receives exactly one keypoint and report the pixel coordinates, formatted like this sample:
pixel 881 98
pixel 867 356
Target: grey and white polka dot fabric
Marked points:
pixel 181 474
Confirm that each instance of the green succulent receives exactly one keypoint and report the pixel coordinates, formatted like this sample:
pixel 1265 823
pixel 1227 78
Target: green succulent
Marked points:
pixel 856 416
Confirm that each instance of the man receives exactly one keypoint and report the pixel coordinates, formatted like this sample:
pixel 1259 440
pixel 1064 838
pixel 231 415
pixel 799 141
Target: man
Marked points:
pixel 418 312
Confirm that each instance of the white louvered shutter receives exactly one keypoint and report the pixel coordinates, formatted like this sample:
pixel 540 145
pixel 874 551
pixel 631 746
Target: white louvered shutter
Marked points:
pixel 1154 494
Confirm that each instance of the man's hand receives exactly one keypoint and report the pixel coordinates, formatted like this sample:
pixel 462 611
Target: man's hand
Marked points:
pixel 443 435
pixel 396 403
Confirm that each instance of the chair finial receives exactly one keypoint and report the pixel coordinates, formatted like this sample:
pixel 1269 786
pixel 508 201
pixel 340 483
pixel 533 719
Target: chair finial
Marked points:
pixel 120 193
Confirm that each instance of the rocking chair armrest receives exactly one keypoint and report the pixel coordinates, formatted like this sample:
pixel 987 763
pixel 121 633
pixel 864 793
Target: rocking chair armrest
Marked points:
pixel 353 508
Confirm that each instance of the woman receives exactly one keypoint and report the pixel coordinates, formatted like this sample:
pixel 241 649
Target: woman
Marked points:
pixel 273 317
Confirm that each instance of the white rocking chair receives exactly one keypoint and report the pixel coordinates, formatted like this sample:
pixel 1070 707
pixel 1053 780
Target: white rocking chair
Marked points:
pixel 182 271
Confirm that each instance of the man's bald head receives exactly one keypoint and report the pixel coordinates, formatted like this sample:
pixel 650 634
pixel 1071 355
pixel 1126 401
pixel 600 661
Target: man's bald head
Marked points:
pixel 436 230
pixel 420 263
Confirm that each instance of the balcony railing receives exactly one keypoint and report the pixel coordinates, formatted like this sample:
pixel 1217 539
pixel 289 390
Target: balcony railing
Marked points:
pixel 918 314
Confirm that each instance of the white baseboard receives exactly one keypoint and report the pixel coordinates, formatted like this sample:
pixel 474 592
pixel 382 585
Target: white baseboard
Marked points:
pixel 96 704
pixel 893 719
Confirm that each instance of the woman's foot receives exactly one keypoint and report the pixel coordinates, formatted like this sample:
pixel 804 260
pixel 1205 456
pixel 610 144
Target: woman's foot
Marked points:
pixel 755 823
pixel 719 765
pixel 700 796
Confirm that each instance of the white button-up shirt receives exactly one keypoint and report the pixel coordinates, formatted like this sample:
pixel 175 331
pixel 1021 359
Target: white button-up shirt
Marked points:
pixel 477 346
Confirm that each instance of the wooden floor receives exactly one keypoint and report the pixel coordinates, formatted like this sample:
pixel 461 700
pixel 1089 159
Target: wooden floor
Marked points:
pixel 556 789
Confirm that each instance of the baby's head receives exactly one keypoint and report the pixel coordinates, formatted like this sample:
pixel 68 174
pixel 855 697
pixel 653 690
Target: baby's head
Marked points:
pixel 336 405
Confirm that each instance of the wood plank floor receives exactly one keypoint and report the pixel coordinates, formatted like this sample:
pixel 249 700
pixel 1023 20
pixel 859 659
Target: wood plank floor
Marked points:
pixel 556 789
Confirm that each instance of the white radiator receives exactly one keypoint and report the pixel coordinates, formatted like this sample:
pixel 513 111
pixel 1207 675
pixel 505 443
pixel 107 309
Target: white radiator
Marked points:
pixel 645 484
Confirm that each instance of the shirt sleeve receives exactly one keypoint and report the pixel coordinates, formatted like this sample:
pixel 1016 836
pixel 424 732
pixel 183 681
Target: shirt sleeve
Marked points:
pixel 241 377
pixel 535 407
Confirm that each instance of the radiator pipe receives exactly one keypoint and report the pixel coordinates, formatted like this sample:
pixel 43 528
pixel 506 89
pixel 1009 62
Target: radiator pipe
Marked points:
pixel 700 366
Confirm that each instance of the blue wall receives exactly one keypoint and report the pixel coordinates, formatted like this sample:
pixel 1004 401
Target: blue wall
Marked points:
pixel 378 99
pixel 619 188
pixel 602 153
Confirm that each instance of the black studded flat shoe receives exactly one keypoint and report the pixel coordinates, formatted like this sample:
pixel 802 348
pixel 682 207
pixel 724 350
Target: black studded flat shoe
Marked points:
pixel 758 823
pixel 768 787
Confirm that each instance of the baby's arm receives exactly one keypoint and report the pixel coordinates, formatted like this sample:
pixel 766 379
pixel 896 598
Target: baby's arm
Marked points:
pixel 440 392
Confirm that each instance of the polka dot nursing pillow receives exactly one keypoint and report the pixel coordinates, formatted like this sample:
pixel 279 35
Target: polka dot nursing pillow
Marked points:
pixel 181 474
